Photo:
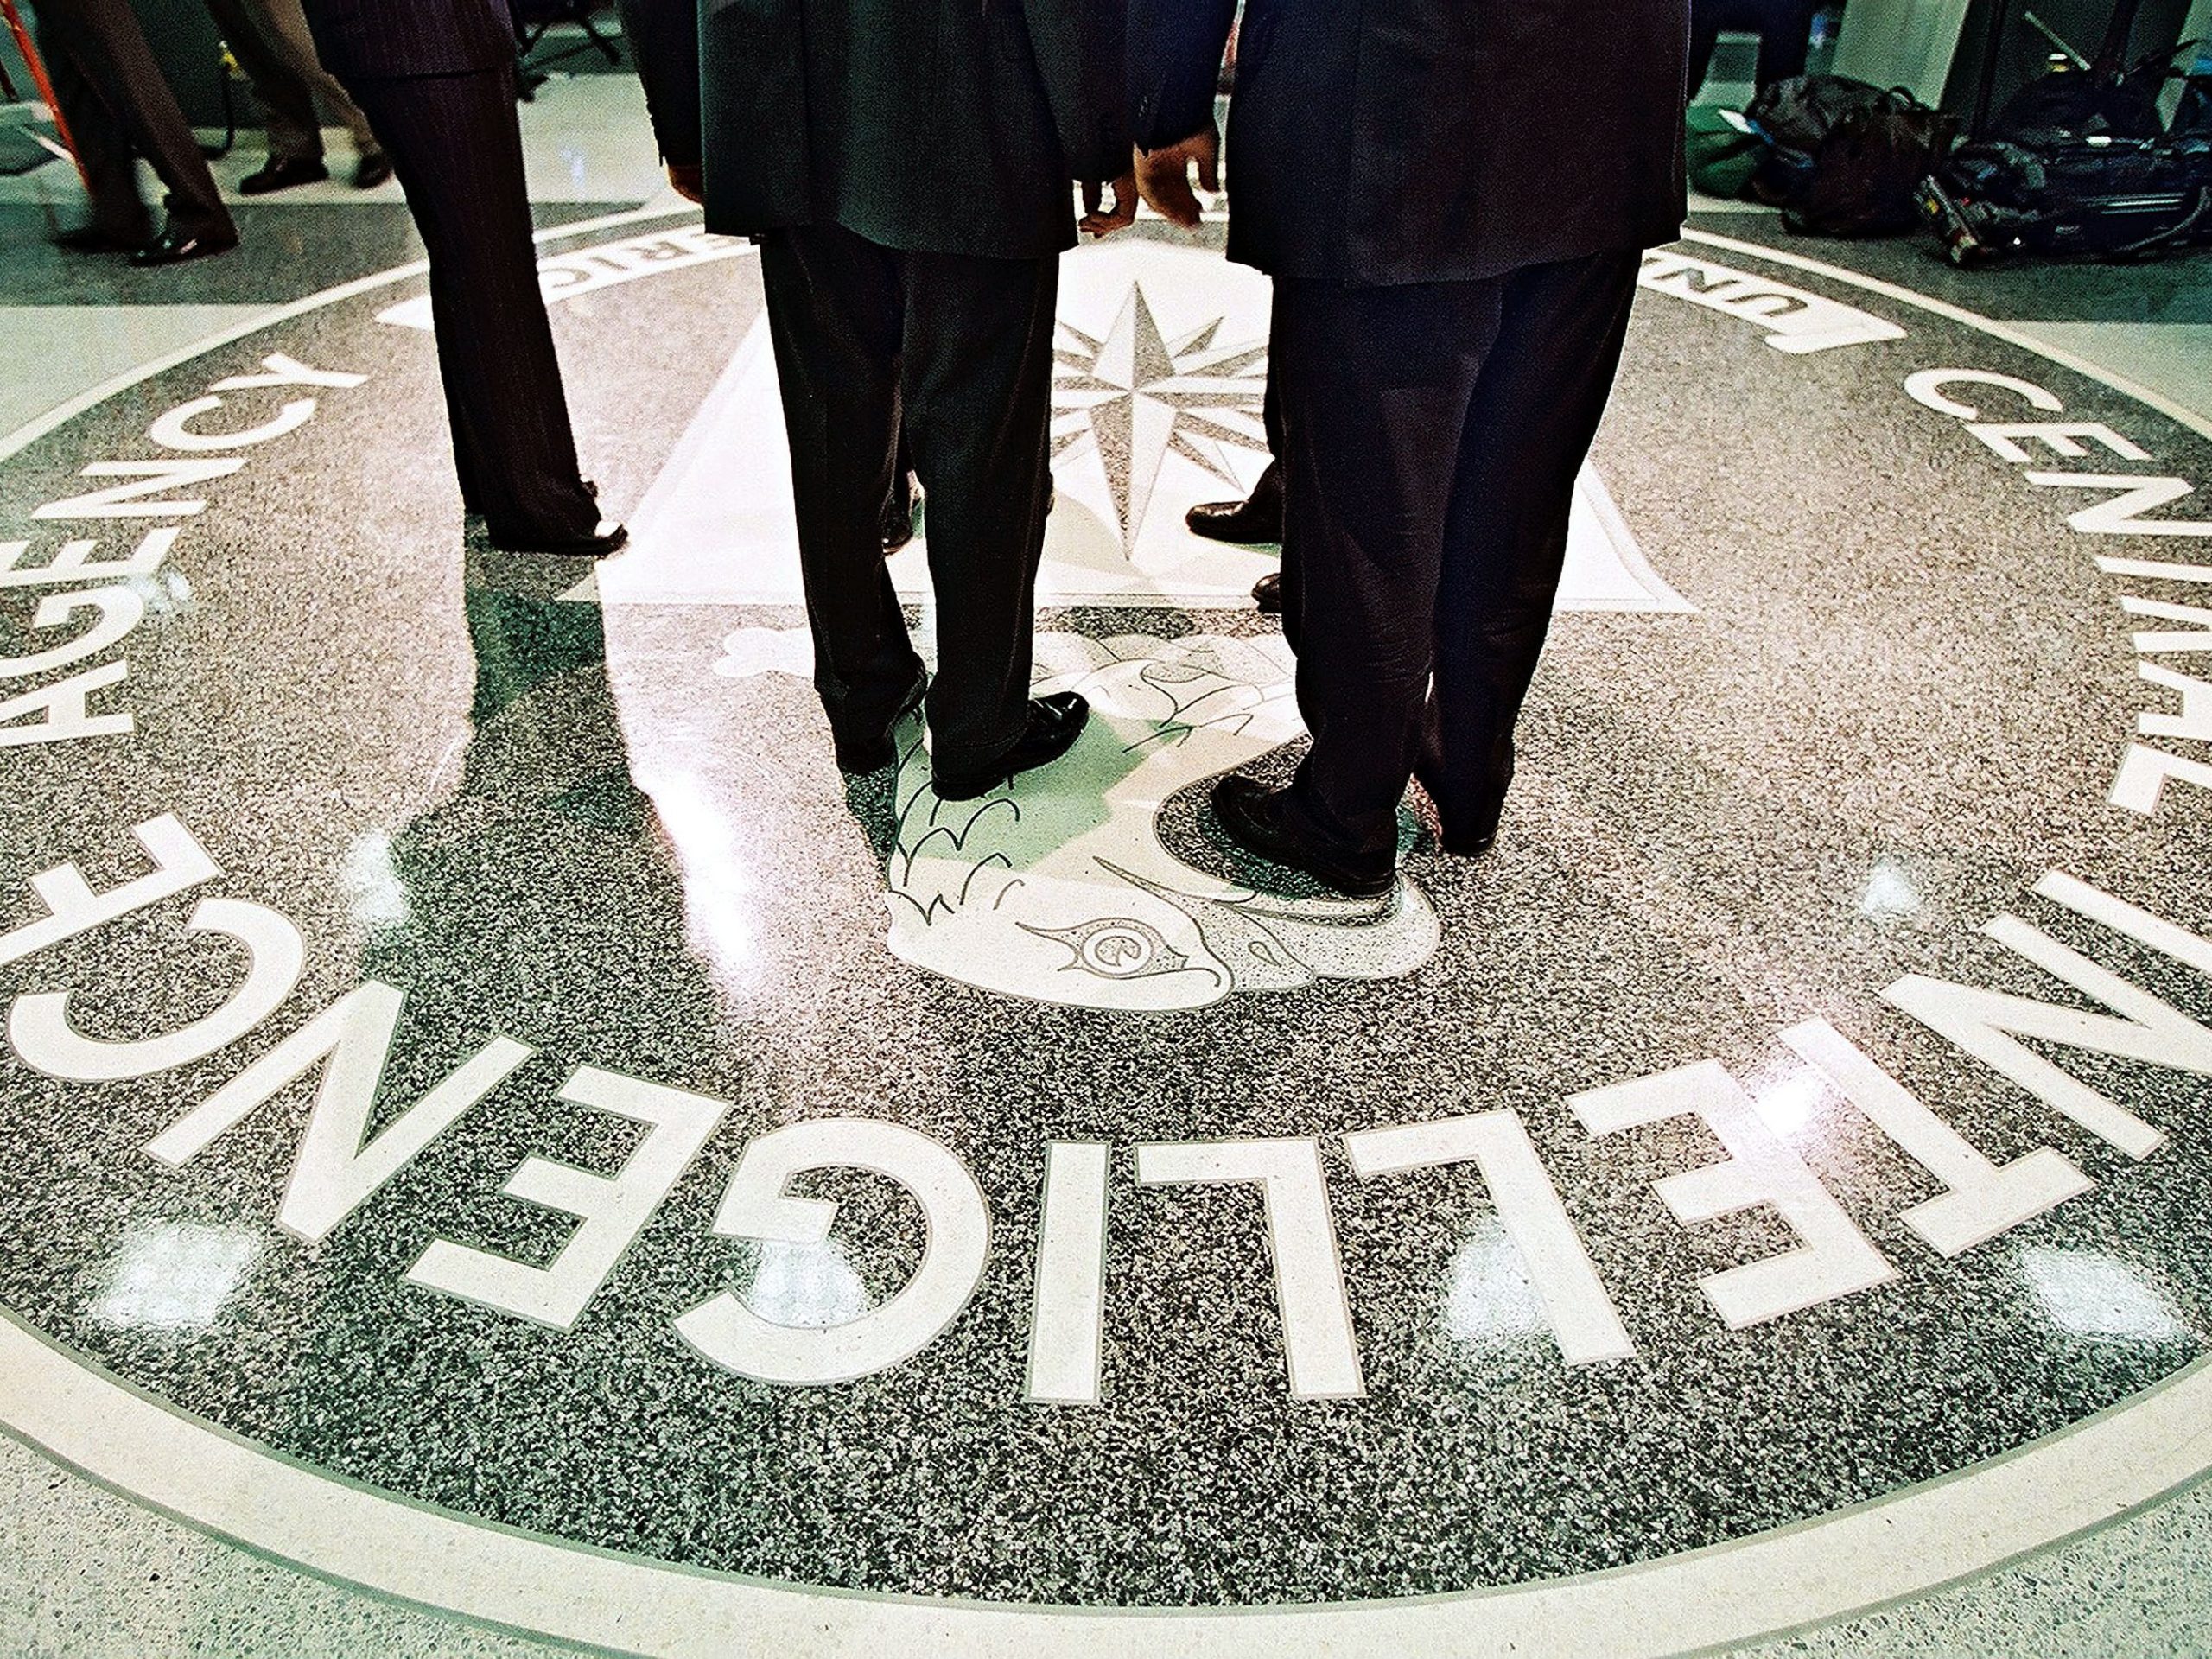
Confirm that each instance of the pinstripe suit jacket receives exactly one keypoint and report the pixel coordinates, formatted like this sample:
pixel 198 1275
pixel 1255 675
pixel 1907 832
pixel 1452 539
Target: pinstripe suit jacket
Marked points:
pixel 374 40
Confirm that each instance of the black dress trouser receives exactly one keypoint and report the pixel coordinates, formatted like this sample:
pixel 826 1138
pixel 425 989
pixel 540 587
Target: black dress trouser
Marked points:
pixel 1271 421
pixel 957 351
pixel 456 145
pixel 120 107
pixel 1432 436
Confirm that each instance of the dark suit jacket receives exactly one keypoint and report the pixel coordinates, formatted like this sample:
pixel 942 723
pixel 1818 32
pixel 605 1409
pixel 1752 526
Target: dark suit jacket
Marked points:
pixel 942 126
pixel 373 39
pixel 1403 141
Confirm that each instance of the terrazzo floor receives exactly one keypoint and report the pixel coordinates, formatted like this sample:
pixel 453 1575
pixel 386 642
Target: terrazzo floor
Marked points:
pixel 1838 679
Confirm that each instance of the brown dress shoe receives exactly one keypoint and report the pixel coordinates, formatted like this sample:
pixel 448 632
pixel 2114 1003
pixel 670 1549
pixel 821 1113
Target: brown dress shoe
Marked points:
pixel 281 173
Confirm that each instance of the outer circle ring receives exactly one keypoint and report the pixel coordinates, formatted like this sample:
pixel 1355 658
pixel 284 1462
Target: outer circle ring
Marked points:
pixel 1888 1549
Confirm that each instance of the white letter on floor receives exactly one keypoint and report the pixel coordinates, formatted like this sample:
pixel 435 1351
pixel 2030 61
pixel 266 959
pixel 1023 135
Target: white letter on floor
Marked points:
pixel 1835 1260
pixel 67 707
pixel 1582 1316
pixel 2061 437
pixel 174 430
pixel 2195 720
pixel 1987 1024
pixel 130 500
pixel 1065 1326
pixel 2154 642
pixel 180 863
pixel 74 561
pixel 333 1172
pixel 1983 1200
pixel 1316 1333
pixel 282 370
pixel 121 610
pixel 1926 388
pixel 2145 773
pixel 958 1225
pixel 2122 515
pixel 39 1031
pixel 610 1210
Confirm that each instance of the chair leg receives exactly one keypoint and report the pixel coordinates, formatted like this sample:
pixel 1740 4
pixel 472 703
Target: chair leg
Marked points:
pixel 578 12
pixel 591 29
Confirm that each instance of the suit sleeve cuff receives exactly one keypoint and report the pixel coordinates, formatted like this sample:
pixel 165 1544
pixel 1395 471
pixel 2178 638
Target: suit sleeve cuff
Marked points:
pixel 1170 115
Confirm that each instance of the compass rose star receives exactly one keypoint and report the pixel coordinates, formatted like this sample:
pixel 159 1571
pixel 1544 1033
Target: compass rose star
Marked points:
pixel 1139 397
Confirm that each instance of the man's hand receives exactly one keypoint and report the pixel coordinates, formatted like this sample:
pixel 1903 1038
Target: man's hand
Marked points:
pixel 1164 176
pixel 1098 223
pixel 687 182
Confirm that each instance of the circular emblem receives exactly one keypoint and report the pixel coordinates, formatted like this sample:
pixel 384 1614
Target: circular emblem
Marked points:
pixel 473 1066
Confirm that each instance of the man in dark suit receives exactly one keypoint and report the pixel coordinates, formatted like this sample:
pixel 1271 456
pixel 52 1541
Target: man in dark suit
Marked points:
pixel 119 107
pixel 1451 196
pixel 437 83
pixel 272 41
pixel 907 167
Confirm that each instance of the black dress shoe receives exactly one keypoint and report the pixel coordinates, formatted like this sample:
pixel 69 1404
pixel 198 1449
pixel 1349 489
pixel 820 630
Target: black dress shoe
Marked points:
pixel 879 749
pixel 281 173
pixel 1471 839
pixel 1256 518
pixel 1469 844
pixel 1055 722
pixel 1251 814
pixel 1267 593
pixel 372 170
pixel 606 538
pixel 174 247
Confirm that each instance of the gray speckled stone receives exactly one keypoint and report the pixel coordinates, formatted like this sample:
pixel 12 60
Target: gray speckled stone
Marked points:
pixel 85 1574
pixel 2131 1590
pixel 1901 659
